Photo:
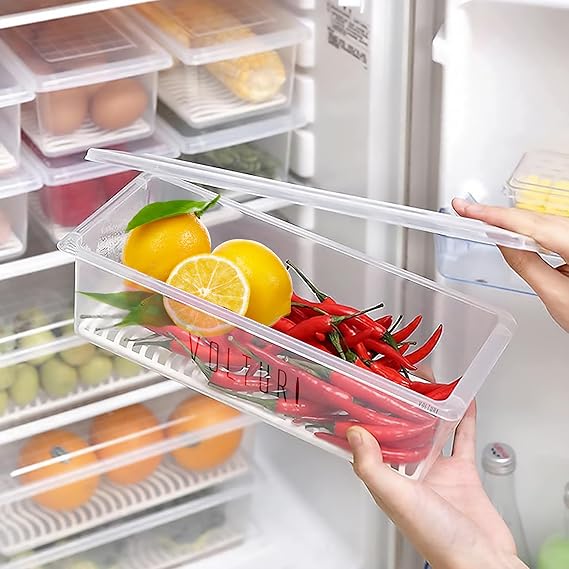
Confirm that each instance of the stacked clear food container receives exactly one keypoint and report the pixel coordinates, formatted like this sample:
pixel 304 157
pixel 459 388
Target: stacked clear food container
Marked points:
pixel 539 183
pixel 307 371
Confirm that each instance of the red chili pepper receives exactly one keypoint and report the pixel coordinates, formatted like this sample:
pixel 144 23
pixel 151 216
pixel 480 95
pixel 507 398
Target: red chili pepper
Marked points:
pixel 422 352
pixel 423 388
pixel 385 321
pixel 357 337
pixel 389 352
pixel 379 399
pixel 406 331
pixel 283 325
pixel 390 455
pixel 304 386
pixel 383 434
pixel 321 337
pixel 388 373
pixel 242 383
pixel 404 347
pixel 443 391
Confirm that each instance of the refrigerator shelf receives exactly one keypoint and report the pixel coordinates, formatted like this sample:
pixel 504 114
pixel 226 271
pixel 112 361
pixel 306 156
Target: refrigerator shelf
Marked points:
pixel 202 101
pixel 26 525
pixel 89 134
pixel 45 412
pixel 99 541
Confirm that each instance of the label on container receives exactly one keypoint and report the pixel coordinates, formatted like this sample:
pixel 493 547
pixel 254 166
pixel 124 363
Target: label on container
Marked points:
pixel 347 33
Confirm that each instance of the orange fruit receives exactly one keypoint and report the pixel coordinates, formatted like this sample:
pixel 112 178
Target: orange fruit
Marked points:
pixel 127 430
pixel 157 247
pixel 270 283
pixel 197 413
pixel 39 453
pixel 214 279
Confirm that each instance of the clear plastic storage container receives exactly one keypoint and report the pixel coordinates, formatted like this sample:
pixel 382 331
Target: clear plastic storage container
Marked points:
pixel 260 147
pixel 74 188
pixel 470 262
pixel 12 95
pixel 235 58
pixel 94 472
pixel 290 369
pixel 95 78
pixel 540 183
pixel 14 189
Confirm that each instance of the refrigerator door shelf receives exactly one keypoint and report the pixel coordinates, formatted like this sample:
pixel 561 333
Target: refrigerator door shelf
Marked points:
pixel 96 471
pixel 175 533
pixel 97 245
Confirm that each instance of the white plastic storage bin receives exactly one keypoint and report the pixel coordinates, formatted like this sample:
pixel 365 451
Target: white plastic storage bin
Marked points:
pixel 540 183
pixel 292 369
pixel 14 188
pixel 235 58
pixel 12 95
pixel 95 78
pixel 91 473
pixel 74 188
pixel 253 146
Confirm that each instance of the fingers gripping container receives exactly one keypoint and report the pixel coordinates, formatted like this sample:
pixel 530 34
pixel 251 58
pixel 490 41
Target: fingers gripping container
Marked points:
pixel 235 58
pixel 74 188
pixel 95 78
pixel 253 146
pixel 288 365
pixel 540 183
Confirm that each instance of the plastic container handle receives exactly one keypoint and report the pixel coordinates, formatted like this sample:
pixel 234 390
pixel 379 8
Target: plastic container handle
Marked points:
pixel 355 206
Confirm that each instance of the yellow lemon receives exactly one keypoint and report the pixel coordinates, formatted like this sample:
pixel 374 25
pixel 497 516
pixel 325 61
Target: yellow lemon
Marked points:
pixel 214 279
pixel 269 281
pixel 157 247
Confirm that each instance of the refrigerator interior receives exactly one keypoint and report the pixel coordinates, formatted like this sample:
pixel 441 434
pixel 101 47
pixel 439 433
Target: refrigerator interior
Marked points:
pixel 503 94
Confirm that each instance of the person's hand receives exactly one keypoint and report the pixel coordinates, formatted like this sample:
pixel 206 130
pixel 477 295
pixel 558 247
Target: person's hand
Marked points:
pixel 447 516
pixel 551 232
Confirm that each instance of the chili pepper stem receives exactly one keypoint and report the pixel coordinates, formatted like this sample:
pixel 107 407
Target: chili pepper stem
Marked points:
pixel 317 293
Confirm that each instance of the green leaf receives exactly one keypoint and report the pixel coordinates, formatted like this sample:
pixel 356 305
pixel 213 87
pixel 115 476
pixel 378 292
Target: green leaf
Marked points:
pixel 150 312
pixel 162 210
pixel 127 300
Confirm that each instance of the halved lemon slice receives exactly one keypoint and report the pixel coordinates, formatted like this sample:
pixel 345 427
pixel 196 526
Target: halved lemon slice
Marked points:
pixel 214 279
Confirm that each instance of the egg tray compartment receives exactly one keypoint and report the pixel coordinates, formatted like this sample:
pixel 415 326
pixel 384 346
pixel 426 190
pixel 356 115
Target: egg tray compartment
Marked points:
pixel 44 405
pixel 202 101
pixel 88 135
pixel 183 370
pixel 25 525
pixel 142 553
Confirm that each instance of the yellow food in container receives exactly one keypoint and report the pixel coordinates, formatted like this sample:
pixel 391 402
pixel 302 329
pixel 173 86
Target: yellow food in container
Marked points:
pixel 254 78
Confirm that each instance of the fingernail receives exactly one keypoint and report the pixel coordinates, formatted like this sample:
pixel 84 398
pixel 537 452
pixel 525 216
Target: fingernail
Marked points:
pixel 354 438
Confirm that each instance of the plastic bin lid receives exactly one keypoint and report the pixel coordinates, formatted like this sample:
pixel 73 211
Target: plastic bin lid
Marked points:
pixel 355 206
pixel 193 140
pixel 82 50
pixel 11 91
pixel 205 31
pixel 25 179
pixel 74 168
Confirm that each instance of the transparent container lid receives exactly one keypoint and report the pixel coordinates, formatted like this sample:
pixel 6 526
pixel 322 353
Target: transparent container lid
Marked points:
pixel 385 212
pixel 193 141
pixel 543 172
pixel 204 31
pixel 82 50
pixel 12 92
pixel 74 168
pixel 26 179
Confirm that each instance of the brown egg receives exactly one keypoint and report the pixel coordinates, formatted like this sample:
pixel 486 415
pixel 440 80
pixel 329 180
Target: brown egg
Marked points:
pixel 118 104
pixel 62 112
